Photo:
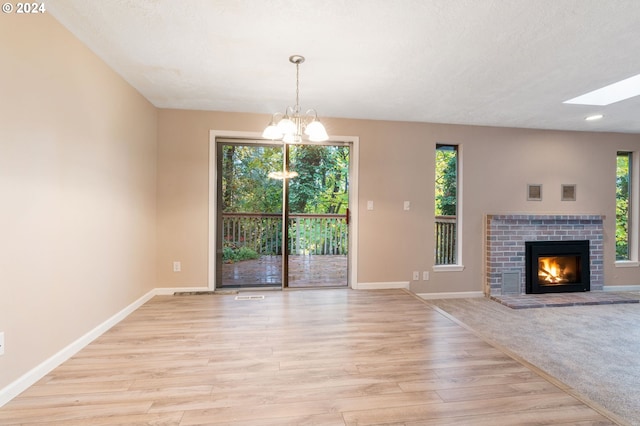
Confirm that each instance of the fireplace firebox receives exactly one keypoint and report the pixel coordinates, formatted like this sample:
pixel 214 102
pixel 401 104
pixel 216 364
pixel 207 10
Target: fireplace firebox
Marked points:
pixel 557 266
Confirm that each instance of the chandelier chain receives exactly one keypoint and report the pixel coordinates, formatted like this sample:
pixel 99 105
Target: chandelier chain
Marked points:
pixel 297 86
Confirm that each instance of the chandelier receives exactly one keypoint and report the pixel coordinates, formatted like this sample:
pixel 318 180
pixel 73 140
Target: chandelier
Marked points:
pixel 291 125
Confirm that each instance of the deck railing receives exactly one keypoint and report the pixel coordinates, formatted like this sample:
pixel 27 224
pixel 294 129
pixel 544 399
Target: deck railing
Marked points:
pixel 445 244
pixel 317 234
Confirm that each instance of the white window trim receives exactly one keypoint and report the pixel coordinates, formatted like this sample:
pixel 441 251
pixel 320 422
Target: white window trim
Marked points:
pixel 627 264
pixel 459 210
pixel 634 217
pixel 458 266
pixel 448 268
pixel 353 199
pixel 635 204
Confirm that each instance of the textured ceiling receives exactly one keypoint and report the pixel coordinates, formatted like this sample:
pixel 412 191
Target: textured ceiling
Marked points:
pixel 486 62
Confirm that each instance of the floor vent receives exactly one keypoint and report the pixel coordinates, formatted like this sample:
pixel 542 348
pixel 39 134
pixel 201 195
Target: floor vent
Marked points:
pixel 250 297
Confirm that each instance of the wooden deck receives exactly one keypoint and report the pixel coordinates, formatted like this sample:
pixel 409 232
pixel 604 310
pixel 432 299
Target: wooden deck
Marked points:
pixel 304 271
pixel 322 357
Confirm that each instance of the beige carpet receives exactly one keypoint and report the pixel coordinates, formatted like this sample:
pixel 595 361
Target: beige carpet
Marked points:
pixel 593 349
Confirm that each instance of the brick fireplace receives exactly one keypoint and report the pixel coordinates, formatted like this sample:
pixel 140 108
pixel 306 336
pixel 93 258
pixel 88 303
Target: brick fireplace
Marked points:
pixel 505 246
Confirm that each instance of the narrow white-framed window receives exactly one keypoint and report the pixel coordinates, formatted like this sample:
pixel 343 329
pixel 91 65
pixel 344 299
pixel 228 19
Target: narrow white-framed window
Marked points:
pixel 447 220
pixel 627 209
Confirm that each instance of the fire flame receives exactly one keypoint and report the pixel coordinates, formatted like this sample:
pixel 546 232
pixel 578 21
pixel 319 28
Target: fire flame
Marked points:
pixel 551 271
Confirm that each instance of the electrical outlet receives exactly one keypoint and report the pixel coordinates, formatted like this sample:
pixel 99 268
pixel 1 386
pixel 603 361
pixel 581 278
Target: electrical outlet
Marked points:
pixel 2 343
pixel 416 275
pixel 425 275
pixel 407 205
pixel 177 266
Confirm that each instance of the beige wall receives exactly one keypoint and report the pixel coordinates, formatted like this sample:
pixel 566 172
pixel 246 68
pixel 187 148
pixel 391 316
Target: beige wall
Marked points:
pixel 77 188
pixel 397 164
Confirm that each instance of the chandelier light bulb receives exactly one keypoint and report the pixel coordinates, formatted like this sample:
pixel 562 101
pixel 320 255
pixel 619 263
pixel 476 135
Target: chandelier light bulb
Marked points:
pixel 286 126
pixel 316 132
pixel 272 131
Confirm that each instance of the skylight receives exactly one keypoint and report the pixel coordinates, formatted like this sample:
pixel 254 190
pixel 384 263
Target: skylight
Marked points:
pixel 623 89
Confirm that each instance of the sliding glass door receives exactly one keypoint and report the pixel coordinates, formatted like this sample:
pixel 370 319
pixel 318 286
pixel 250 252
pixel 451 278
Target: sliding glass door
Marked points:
pixel 249 215
pixel 318 227
pixel 254 249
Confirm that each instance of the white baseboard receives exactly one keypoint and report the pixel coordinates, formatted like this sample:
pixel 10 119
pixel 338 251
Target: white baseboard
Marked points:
pixel 381 286
pixel 452 295
pixel 621 288
pixel 32 376
pixel 168 291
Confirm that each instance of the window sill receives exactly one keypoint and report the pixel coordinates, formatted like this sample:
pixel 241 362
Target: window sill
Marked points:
pixel 448 268
pixel 627 264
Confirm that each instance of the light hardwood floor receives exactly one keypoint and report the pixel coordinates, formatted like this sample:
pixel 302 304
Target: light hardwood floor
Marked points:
pixel 321 357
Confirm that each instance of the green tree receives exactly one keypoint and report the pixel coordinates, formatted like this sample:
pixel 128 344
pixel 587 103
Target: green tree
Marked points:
pixel 322 182
pixel 446 182
pixel 320 187
pixel 246 186
pixel 335 199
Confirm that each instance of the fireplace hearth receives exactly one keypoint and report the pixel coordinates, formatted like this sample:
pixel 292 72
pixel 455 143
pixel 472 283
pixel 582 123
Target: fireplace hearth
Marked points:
pixel 557 266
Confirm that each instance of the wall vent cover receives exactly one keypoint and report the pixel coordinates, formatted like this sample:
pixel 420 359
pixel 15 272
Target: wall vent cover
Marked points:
pixel 511 282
